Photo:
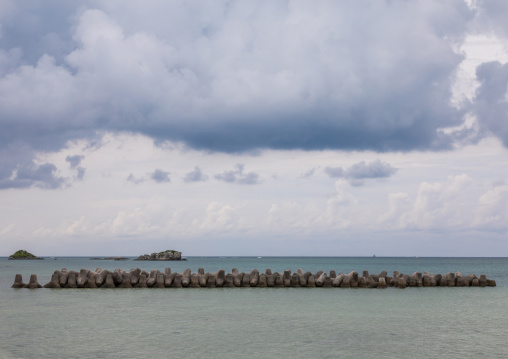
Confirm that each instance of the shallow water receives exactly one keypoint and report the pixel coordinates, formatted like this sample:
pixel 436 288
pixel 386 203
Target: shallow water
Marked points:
pixel 256 322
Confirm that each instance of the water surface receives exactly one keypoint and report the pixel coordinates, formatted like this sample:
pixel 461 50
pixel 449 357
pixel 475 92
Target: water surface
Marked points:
pixel 256 322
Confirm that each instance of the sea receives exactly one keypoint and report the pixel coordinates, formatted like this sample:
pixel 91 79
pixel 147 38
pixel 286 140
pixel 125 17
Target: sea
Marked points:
pixel 256 322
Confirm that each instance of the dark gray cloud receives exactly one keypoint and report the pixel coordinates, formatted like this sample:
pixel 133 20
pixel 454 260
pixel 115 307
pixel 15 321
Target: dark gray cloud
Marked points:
pixel 357 173
pixel 233 75
pixel 374 169
pixel 238 176
pixel 195 176
pixel 334 172
pixel 42 176
pixel 491 16
pixel 248 178
pixel 80 173
pixel 45 30
pixel 491 102
pixel 18 169
pixel 160 176
pixel 74 161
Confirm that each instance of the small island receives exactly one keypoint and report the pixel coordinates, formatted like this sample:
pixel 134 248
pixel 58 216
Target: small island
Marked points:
pixel 23 255
pixel 168 255
pixel 111 258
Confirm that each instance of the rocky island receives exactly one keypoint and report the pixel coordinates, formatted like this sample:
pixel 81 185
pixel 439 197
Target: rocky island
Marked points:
pixel 168 255
pixel 23 255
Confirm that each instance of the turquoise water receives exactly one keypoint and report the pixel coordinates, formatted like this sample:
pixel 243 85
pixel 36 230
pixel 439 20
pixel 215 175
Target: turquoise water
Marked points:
pixel 256 322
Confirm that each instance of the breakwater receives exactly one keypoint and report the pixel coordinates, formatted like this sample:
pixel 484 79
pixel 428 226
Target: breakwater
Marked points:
pixel 137 278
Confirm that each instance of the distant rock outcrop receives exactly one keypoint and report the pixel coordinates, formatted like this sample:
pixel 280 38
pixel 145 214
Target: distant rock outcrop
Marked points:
pixel 169 255
pixel 23 255
pixel 111 258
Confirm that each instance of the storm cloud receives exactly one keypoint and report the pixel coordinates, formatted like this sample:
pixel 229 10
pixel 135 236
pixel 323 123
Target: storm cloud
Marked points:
pixel 234 76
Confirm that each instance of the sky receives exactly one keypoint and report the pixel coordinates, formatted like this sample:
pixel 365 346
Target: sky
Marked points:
pixel 263 128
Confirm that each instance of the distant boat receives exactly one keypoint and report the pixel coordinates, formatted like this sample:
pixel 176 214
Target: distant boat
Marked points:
pixel 259 257
pixel 374 256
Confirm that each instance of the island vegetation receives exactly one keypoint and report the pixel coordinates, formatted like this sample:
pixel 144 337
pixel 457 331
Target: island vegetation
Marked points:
pixel 22 254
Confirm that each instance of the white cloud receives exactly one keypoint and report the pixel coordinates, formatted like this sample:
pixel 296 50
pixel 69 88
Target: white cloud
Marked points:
pixel 492 209
pixel 437 206
pixel 80 226
pixel 220 217
pixel 398 204
pixel 136 222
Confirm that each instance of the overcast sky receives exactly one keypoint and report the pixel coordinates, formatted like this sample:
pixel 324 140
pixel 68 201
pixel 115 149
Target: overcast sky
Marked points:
pixel 264 127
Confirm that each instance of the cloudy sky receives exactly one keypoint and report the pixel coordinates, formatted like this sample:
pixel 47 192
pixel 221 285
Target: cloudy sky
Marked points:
pixel 263 127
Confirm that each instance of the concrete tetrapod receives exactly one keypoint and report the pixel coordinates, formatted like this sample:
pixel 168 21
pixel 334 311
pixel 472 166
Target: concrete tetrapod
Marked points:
pixel 126 280
pixel 211 280
pixel 63 276
pixel 71 280
pixel 108 283
pixel 169 279
pixel 18 282
pixel 33 284
pixel 137 278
